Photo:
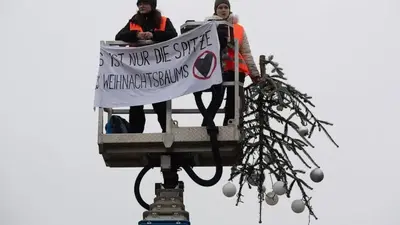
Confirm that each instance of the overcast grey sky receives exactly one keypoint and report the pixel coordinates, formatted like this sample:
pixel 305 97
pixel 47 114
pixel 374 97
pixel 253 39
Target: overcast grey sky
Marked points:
pixel 344 53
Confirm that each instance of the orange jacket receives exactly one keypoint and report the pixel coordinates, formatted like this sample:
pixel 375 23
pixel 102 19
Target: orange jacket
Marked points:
pixel 133 26
pixel 229 64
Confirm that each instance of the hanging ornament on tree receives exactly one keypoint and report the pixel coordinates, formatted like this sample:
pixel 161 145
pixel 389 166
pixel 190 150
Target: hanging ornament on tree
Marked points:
pixel 317 175
pixel 229 189
pixel 271 198
pixel 298 206
pixel 279 188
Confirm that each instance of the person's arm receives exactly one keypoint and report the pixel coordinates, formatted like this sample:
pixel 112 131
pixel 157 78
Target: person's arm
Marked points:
pixel 125 34
pixel 169 33
pixel 223 33
pixel 245 51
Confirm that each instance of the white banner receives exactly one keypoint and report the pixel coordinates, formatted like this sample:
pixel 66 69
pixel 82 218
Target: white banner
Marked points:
pixel 130 76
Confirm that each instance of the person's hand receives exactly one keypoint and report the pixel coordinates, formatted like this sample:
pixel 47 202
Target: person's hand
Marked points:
pixel 148 35
pixel 141 35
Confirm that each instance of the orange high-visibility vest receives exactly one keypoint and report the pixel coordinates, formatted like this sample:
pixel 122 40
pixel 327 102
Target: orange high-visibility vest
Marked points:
pixel 134 26
pixel 238 32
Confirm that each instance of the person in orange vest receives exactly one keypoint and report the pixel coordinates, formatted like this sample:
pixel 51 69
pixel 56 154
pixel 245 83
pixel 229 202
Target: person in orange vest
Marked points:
pixel 147 24
pixel 247 66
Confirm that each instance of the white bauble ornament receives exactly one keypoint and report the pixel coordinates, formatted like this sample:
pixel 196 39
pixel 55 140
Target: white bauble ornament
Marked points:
pixel 229 189
pixel 279 188
pixel 298 206
pixel 303 131
pixel 271 198
pixel 317 175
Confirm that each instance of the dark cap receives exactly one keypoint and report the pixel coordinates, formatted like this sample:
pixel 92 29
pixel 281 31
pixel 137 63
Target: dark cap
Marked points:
pixel 219 2
pixel 153 3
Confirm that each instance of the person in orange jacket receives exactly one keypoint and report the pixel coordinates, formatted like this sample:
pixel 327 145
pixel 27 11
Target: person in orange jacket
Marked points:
pixel 247 66
pixel 147 24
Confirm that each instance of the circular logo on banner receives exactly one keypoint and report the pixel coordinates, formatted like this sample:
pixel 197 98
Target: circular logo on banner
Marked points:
pixel 205 65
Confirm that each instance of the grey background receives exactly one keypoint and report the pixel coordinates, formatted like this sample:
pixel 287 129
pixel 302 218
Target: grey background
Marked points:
pixel 344 53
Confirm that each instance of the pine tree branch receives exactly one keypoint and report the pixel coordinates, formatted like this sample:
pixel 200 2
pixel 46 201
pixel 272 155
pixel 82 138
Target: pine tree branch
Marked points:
pixel 266 148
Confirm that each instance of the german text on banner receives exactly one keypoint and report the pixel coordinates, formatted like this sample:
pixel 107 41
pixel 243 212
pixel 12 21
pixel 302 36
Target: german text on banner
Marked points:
pixel 130 76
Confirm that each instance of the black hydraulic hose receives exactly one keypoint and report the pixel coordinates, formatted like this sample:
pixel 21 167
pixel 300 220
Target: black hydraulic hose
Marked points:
pixel 218 165
pixel 201 107
pixel 137 186
pixel 212 130
pixel 216 101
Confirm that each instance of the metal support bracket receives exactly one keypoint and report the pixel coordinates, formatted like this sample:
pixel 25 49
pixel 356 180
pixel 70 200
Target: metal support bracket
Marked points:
pixel 167 206
pixel 165 163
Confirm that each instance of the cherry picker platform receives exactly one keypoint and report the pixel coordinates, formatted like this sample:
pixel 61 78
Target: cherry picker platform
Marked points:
pixel 133 150
pixel 186 147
